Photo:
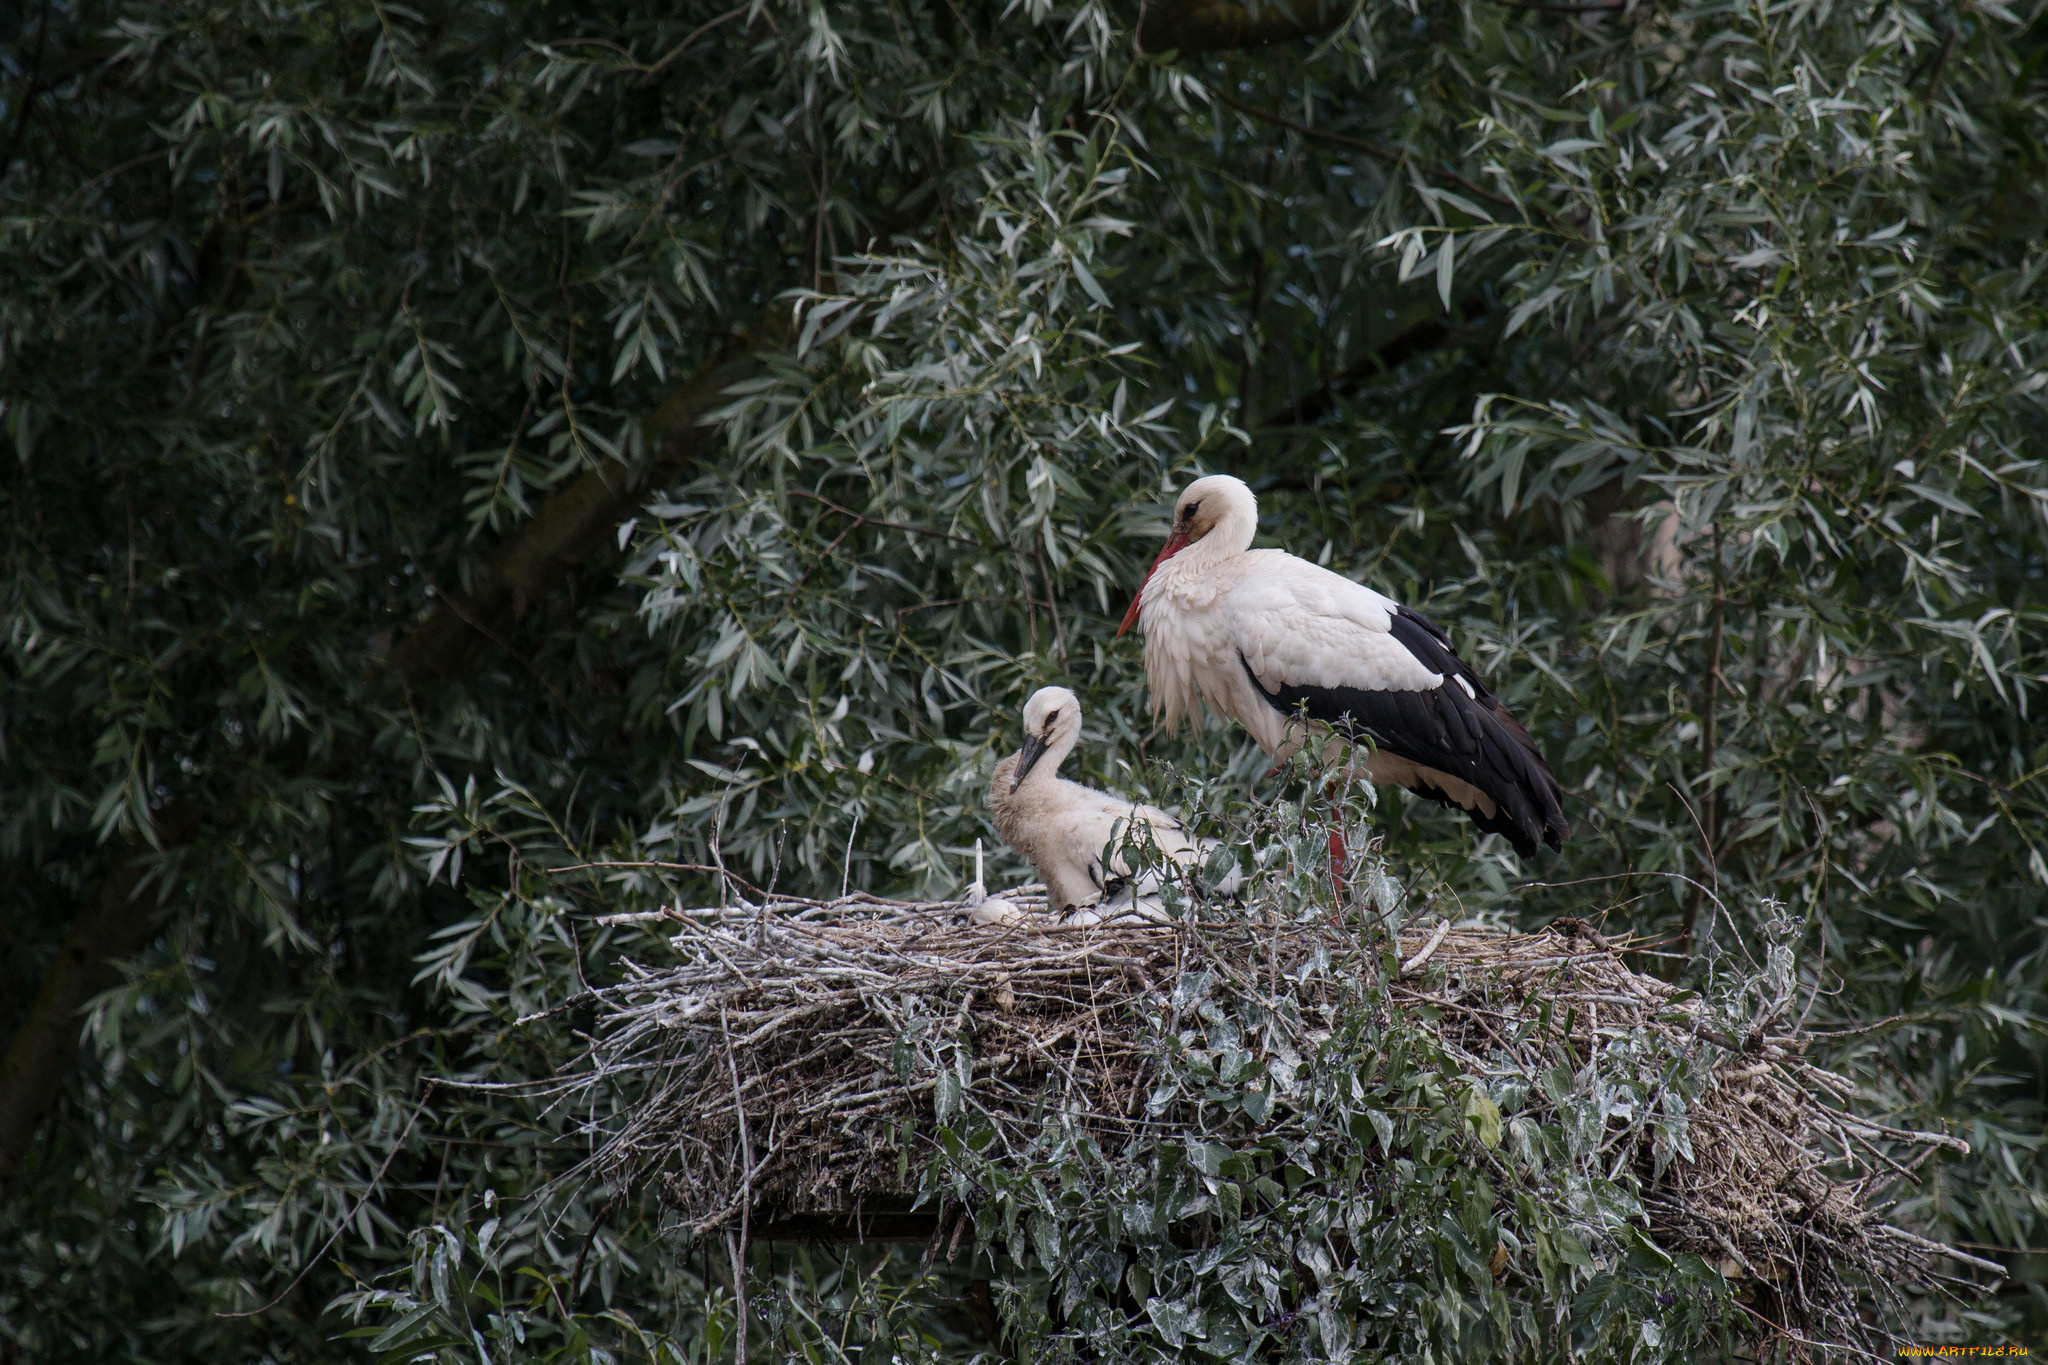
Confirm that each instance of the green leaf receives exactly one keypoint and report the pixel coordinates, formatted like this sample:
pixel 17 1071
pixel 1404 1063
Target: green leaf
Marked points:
pixel 1484 1116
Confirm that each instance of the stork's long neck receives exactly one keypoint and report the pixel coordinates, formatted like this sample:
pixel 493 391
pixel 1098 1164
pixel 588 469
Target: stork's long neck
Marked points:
pixel 1233 532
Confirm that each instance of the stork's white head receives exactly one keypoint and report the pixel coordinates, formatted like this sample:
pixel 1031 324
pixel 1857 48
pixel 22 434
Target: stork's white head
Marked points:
pixel 1219 512
pixel 1052 726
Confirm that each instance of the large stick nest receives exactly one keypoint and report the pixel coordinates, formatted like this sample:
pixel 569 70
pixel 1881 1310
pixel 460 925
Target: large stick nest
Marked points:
pixel 776 1089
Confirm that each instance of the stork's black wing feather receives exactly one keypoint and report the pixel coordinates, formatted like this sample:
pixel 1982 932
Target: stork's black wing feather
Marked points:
pixel 1471 737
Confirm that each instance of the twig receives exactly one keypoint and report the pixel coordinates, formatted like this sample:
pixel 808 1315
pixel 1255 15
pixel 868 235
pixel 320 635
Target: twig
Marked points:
pixel 661 867
pixel 1566 9
pixel 1953 1144
pixel 633 64
pixel 642 917
pixel 576 1275
pixel 347 1221
pixel 739 1260
pixel 680 48
pixel 1709 799
pixel 102 178
pixel 887 525
pixel 1436 940
pixel 1373 149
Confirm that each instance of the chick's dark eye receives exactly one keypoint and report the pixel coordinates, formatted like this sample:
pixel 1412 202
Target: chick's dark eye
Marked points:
pixel 1051 717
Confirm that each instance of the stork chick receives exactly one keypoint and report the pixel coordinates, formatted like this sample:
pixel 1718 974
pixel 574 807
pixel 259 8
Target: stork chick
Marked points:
pixel 1064 828
pixel 1271 641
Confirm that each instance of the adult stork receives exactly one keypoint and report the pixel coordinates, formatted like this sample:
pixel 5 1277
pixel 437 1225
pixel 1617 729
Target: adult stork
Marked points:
pixel 1074 835
pixel 1292 651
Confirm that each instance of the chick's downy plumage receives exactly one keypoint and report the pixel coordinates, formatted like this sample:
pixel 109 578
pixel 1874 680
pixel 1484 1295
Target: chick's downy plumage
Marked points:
pixel 1064 828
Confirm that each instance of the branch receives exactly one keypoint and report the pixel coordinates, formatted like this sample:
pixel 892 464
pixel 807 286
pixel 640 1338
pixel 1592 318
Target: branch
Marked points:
pixel 578 520
pixel 1709 799
pixel 1400 348
pixel 348 1220
pixel 634 64
pixel 885 525
pixel 573 523
pixel 117 923
pixel 1190 27
pixel 1373 149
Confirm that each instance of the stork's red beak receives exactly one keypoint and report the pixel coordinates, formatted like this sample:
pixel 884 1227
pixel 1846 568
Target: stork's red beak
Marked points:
pixel 1175 543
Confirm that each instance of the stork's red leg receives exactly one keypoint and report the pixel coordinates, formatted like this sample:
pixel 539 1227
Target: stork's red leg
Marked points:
pixel 1339 858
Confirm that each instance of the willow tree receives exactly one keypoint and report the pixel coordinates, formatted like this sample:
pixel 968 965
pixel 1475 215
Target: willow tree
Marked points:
pixel 457 442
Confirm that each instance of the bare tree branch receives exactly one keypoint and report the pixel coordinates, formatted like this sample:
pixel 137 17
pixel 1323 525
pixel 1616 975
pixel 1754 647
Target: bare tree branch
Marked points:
pixel 1196 26
pixel 578 520
pixel 115 924
pixel 1411 341
pixel 1374 150
pixel 574 522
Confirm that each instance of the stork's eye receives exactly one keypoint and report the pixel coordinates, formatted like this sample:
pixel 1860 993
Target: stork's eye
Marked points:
pixel 1051 716
pixel 1188 516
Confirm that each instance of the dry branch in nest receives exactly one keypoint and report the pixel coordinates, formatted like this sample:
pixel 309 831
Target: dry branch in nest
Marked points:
pixel 794 1062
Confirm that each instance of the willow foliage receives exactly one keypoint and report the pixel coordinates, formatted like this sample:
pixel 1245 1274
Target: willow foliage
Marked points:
pixel 451 442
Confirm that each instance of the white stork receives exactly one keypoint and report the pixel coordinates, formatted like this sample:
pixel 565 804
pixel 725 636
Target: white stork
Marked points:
pixel 1068 830
pixel 1270 641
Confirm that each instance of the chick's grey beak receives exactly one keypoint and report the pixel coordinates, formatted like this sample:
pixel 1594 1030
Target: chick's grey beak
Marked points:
pixel 1027 757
